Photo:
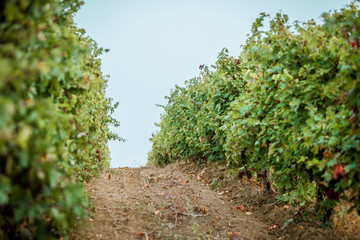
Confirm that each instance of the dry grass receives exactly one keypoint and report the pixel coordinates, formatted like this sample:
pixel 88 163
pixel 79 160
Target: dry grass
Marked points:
pixel 346 225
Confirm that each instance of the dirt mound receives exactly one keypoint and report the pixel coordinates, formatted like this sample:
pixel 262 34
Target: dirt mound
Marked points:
pixel 184 201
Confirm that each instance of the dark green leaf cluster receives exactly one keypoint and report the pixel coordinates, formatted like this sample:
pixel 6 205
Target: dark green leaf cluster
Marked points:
pixel 290 105
pixel 54 118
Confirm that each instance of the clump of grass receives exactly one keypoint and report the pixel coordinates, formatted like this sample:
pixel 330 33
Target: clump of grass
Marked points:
pixel 347 225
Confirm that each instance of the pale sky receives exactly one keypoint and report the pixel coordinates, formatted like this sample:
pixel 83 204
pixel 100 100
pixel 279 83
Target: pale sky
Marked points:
pixel 156 44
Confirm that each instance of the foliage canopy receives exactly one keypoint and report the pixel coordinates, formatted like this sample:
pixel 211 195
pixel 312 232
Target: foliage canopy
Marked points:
pixel 289 104
pixel 54 118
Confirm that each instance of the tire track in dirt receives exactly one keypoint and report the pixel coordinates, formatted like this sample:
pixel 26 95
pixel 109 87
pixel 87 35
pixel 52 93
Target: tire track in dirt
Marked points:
pixel 166 203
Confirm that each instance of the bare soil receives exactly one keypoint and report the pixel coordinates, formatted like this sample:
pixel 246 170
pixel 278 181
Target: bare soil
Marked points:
pixel 184 201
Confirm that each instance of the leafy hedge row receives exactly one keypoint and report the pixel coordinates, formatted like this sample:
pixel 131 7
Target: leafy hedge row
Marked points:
pixel 54 118
pixel 289 104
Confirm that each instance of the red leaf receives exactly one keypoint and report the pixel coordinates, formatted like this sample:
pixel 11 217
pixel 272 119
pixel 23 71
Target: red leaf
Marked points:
pixel 241 207
pixel 331 194
pixel 338 171
pixel 231 234
pixel 99 155
pixel 353 43
pixel 328 155
pixel 273 226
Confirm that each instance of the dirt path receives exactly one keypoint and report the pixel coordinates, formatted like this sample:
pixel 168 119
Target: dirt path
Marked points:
pixel 178 202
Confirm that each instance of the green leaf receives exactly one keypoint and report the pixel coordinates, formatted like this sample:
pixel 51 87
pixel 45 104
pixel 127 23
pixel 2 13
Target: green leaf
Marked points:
pixel 287 222
pixel 350 167
pixel 73 195
pixel 295 102
pixel 333 141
